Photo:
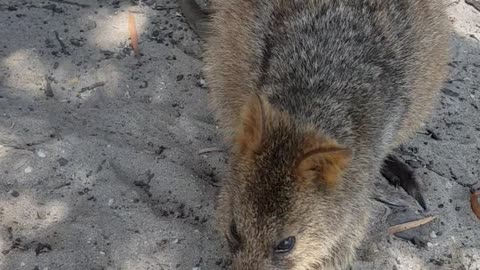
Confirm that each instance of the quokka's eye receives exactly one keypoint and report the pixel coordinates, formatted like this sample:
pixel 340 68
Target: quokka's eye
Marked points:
pixel 286 245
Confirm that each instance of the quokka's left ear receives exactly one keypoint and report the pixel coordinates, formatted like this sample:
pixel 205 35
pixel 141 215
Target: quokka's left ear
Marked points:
pixel 323 165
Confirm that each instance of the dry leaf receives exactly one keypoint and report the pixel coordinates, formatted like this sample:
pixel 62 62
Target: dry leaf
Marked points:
pixel 474 197
pixel 132 29
pixel 410 225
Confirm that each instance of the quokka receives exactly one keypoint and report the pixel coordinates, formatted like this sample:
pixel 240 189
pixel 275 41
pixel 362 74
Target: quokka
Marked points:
pixel 312 96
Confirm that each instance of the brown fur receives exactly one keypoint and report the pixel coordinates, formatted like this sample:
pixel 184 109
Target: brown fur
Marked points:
pixel 312 95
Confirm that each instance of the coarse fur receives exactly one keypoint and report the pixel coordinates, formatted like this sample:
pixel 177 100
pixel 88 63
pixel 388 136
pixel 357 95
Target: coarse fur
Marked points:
pixel 312 95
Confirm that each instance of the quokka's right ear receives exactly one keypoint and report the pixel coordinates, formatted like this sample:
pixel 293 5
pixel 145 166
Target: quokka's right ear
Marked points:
pixel 251 130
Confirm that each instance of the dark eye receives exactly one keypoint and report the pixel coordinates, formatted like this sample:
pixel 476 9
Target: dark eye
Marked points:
pixel 286 245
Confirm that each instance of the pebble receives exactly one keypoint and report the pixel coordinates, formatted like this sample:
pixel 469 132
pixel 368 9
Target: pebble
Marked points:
pixel 110 202
pixel 41 153
pixel 91 25
pixel 202 83
pixel 14 193
pixel 62 161
pixel 433 234
pixel 448 185
pixel 28 169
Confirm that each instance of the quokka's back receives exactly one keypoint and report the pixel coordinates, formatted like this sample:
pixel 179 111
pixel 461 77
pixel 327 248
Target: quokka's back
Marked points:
pixel 309 55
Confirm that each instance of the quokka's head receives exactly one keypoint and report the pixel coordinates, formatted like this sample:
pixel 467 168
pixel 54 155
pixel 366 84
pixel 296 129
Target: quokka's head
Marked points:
pixel 282 207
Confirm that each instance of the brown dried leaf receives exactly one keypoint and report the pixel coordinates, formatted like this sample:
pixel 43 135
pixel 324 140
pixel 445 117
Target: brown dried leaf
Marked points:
pixel 474 197
pixel 410 225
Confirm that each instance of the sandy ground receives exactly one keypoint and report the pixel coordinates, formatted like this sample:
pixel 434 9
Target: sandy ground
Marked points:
pixel 99 162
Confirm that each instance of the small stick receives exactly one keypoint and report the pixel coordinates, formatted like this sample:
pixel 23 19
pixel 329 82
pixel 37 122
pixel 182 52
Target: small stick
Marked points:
pixel 62 44
pixel 70 3
pixel 132 29
pixel 91 87
pixel 210 149
pixel 164 8
pixel 410 225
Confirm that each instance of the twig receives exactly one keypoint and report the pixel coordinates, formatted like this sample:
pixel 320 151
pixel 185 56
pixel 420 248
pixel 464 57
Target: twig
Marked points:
pixel 62 44
pixel 210 149
pixel 410 225
pixel 62 186
pixel 164 8
pixel 19 147
pixel 91 87
pixel 132 29
pixel 70 3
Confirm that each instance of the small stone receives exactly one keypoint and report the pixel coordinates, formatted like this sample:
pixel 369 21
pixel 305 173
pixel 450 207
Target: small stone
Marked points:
pixel 202 83
pixel 22 264
pixel 62 161
pixel 110 202
pixel 448 185
pixel 102 253
pixel 41 153
pixel 28 169
pixel 77 42
pixel 91 25
pixel 433 234
pixel 175 241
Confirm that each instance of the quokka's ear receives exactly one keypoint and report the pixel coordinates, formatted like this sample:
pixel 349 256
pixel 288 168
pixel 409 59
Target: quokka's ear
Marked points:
pixel 324 165
pixel 252 125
